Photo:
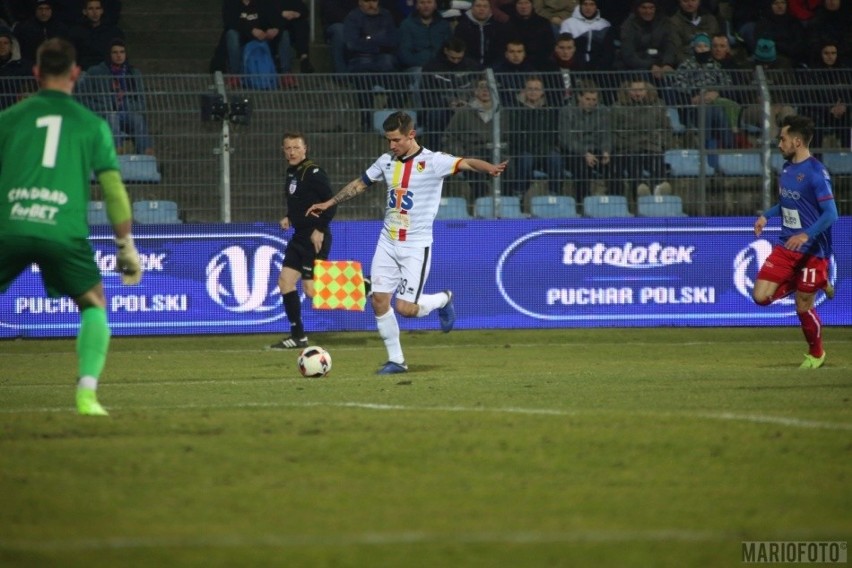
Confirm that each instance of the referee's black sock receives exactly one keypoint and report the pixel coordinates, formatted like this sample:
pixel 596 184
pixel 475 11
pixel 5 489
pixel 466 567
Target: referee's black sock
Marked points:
pixel 293 309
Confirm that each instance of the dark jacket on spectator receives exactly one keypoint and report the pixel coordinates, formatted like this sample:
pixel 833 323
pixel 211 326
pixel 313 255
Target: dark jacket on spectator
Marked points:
pixel 32 32
pixel 644 44
pixel 418 42
pixel 536 33
pixel 369 35
pixel 485 41
pixel 92 42
pixel 787 33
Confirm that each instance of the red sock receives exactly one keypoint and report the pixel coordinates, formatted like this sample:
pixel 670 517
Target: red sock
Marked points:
pixel 812 328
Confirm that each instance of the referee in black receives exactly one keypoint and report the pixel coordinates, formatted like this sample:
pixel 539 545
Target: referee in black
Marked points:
pixel 307 184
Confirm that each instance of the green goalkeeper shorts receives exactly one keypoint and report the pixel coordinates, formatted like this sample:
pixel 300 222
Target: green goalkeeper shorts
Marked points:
pixel 67 268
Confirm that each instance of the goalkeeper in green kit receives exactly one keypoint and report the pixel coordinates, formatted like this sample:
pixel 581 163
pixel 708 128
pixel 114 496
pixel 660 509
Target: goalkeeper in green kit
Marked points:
pixel 49 144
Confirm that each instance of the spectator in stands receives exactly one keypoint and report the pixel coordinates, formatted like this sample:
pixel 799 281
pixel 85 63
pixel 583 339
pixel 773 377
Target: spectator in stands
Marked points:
pixel 593 35
pixel 781 81
pixel 555 11
pixel 252 20
pixel 832 22
pixel 744 15
pixel 533 139
pixel 92 37
pixel 448 80
pixel 114 89
pixel 737 68
pixel 777 24
pixel 532 29
pixel 421 36
pixel 561 70
pixel 833 97
pixel 511 71
pixel 69 12
pixel 646 44
pixel 295 26
pixel 585 138
pixel 12 69
pixel 721 52
pixel 670 7
pixel 804 10
pixel 690 19
pixel 484 37
pixel 699 81
pixel 371 39
pixel 470 132
pixel 33 31
pixel 332 14
pixel 639 129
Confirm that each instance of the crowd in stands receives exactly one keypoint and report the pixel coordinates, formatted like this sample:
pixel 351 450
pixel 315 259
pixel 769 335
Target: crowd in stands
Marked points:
pixel 553 60
pixel 109 84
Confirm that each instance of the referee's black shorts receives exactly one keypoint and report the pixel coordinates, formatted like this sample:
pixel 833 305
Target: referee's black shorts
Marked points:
pixel 300 254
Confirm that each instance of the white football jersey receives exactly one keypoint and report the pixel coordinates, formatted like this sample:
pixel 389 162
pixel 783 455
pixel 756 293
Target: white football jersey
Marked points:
pixel 414 193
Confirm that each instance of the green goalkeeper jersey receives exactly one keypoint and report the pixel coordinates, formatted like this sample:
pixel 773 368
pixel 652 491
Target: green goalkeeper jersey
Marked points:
pixel 49 145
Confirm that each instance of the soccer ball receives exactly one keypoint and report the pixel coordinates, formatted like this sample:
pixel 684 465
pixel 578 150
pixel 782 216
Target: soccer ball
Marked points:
pixel 314 362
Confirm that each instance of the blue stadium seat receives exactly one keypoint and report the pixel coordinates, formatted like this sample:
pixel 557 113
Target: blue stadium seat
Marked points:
pixel 660 206
pixel 160 212
pixel 687 163
pixel 139 168
pixel 553 207
pixel 838 163
pixel 599 206
pixel 509 208
pixel 740 164
pixel 97 214
pixel 453 208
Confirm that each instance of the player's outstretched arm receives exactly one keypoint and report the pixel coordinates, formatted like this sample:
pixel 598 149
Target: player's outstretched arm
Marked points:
pixel 352 189
pixel 476 165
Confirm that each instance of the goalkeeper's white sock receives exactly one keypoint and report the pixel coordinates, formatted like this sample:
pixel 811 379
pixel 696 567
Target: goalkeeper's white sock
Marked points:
pixel 389 332
pixel 430 302
pixel 88 382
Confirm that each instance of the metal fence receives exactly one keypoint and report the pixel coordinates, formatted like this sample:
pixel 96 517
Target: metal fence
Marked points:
pixel 216 139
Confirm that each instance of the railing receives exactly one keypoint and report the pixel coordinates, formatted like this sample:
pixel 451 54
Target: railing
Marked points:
pixel 719 158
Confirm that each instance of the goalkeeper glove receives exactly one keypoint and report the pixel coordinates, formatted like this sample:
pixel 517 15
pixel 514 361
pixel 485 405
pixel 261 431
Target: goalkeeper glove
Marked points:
pixel 128 261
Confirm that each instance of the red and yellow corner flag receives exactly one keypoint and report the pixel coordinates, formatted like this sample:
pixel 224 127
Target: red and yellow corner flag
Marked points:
pixel 339 285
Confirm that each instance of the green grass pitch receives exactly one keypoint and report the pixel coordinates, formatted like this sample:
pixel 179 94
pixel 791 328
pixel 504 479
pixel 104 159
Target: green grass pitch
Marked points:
pixel 604 447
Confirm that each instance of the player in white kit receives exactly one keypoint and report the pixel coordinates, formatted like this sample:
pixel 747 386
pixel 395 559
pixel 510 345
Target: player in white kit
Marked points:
pixel 415 177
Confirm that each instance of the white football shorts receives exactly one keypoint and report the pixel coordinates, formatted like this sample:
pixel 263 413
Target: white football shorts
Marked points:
pixel 400 270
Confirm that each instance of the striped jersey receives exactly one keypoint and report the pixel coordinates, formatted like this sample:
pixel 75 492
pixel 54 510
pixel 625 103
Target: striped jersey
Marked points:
pixel 802 187
pixel 414 193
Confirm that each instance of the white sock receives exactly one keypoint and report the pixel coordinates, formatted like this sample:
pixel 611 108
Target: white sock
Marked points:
pixel 389 332
pixel 87 383
pixel 430 302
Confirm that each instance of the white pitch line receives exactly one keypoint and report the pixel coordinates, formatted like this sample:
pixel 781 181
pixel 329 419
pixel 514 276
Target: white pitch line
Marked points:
pixel 724 416
pixel 378 346
pixel 383 539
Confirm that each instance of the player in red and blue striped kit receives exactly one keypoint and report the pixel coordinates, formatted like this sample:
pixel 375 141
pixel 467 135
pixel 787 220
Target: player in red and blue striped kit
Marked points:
pixel 799 262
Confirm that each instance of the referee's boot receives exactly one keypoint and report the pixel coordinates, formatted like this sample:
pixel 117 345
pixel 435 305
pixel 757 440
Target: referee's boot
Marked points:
pixel 290 343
